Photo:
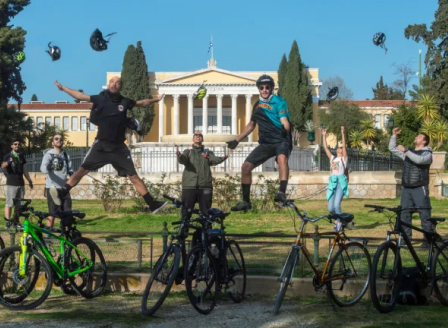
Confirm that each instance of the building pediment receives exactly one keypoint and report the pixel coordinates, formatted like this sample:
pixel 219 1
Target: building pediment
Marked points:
pixel 211 75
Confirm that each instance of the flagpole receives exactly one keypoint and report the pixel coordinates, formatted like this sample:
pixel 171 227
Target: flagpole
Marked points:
pixel 212 45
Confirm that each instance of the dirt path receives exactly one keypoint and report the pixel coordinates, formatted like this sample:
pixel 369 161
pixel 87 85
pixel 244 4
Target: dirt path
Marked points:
pixel 123 310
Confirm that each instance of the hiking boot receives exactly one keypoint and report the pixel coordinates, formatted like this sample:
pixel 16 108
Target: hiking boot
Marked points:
pixel 241 206
pixel 156 206
pixel 56 195
pixel 280 197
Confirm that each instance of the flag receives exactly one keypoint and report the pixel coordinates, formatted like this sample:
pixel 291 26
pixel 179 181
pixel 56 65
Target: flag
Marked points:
pixel 210 45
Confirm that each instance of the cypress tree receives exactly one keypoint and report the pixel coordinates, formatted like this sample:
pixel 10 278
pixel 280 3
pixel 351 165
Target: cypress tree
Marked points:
pixel 134 77
pixel 281 74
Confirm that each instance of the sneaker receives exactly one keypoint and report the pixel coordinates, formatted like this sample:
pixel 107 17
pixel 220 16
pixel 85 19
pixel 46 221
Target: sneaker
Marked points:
pixel 54 193
pixel 156 206
pixel 280 197
pixel 241 206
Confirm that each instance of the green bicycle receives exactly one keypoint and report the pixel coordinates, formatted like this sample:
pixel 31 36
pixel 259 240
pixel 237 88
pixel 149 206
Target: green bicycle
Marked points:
pixel 28 270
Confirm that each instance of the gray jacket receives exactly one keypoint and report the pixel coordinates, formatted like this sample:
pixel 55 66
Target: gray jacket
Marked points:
pixel 56 168
pixel 424 158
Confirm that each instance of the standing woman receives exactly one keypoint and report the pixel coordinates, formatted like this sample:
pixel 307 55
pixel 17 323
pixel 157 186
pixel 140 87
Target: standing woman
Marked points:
pixel 338 184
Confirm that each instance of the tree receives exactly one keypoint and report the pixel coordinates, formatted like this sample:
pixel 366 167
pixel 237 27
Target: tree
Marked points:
pixel 368 131
pixel 14 125
pixel 342 113
pixel 355 139
pixel 34 97
pixel 345 93
pixel 282 74
pixel 41 136
pixel 384 92
pixel 436 39
pixel 405 74
pixel 134 77
pixel 406 118
pixel 427 108
pixel 296 91
pixel 12 40
pixel 425 88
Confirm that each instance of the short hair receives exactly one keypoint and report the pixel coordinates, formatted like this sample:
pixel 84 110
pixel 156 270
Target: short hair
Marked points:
pixel 14 140
pixel 425 137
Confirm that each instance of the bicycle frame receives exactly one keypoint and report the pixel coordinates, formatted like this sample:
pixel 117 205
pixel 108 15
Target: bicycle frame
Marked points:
pixel 338 239
pixel 398 229
pixel 31 231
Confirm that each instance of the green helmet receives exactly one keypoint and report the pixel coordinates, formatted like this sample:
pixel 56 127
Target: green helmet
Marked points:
pixel 20 57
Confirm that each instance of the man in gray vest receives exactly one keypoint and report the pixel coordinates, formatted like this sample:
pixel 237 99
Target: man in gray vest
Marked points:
pixel 415 179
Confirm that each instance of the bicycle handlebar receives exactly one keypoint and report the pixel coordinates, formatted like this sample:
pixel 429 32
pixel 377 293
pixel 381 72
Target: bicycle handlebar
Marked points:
pixel 379 208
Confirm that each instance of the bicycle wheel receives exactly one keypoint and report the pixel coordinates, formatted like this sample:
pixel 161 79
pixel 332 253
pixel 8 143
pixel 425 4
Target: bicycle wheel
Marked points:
pixel 2 243
pixel 89 283
pixel 236 272
pixel 23 293
pixel 439 274
pixel 349 274
pixel 285 277
pixel 201 280
pixel 385 277
pixel 162 278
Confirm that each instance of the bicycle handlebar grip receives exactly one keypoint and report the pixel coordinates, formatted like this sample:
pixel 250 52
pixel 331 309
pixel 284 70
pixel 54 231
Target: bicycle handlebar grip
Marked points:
pixel 169 198
pixel 372 206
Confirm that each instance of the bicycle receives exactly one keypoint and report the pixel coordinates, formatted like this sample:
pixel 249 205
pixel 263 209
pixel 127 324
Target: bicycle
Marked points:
pixel 215 264
pixel 36 270
pixel 167 268
pixel 345 277
pixel 386 275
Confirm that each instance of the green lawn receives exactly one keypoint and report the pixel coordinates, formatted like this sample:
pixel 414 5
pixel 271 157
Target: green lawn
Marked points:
pixel 127 219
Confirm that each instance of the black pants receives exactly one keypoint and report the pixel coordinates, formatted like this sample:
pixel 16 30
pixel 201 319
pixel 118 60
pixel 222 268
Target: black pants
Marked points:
pixel 192 196
pixel 416 197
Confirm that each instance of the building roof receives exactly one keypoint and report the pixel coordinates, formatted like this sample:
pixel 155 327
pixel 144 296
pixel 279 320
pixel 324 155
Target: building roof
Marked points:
pixel 372 103
pixel 55 107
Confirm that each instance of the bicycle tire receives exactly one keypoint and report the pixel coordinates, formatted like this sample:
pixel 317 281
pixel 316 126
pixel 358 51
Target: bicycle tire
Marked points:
pixel 17 302
pixel 285 277
pixel 85 283
pixel 343 255
pixel 168 280
pixel 232 272
pixel 2 243
pixel 441 290
pixel 392 277
pixel 201 270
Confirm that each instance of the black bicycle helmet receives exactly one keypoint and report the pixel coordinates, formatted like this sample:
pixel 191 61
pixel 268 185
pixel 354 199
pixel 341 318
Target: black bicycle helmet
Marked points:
pixel 265 79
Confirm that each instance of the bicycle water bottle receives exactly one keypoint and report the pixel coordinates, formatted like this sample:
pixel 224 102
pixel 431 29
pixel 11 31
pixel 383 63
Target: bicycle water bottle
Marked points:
pixel 214 250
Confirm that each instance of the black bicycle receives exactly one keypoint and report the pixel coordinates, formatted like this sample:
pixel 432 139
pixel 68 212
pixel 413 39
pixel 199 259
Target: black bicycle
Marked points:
pixel 386 274
pixel 167 269
pixel 215 264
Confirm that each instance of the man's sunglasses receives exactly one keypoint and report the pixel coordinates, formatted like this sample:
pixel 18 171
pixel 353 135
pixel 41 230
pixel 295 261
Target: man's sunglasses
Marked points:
pixel 263 87
pixel 16 144
pixel 198 135
pixel 57 139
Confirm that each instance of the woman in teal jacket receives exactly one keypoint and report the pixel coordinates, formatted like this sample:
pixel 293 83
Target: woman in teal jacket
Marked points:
pixel 338 184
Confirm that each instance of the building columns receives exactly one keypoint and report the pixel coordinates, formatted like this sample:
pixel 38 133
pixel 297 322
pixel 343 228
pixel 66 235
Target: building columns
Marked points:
pixel 234 129
pixel 219 113
pixel 161 118
pixel 176 114
pixel 190 114
pixel 205 115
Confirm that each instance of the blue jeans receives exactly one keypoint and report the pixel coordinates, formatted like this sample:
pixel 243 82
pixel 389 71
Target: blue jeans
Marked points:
pixel 334 203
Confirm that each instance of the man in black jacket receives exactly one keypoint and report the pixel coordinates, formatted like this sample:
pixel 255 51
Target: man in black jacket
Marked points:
pixel 415 179
pixel 197 184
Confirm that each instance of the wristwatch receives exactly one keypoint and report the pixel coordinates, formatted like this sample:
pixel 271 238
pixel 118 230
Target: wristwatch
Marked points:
pixel 406 150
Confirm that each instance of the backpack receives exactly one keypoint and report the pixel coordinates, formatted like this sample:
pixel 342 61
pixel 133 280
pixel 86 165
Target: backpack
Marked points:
pixel 410 291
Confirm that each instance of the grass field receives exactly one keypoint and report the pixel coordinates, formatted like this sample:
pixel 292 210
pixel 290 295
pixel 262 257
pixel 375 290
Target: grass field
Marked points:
pixel 127 219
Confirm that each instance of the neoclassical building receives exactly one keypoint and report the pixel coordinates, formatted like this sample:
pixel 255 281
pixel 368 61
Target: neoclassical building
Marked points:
pixel 223 113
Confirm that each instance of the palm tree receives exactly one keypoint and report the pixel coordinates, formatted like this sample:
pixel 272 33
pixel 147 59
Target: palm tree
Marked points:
pixel 441 131
pixel 427 108
pixel 355 139
pixel 429 127
pixel 368 131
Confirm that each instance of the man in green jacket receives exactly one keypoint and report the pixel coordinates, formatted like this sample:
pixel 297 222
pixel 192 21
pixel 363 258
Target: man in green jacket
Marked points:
pixel 197 176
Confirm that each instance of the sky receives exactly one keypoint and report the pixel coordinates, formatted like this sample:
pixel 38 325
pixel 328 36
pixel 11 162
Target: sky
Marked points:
pixel 334 36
